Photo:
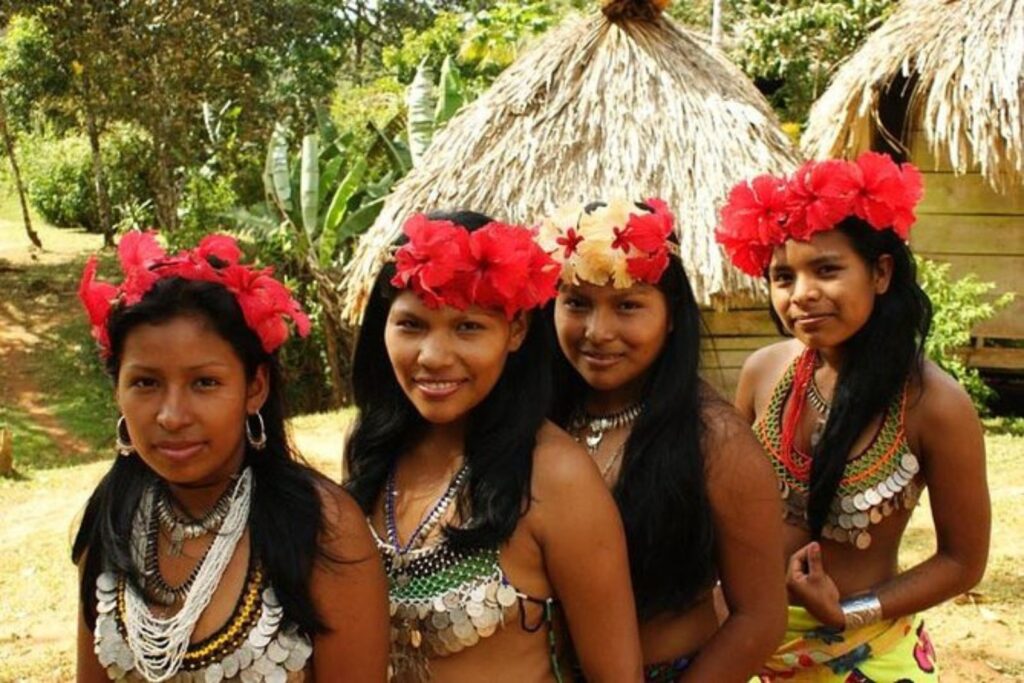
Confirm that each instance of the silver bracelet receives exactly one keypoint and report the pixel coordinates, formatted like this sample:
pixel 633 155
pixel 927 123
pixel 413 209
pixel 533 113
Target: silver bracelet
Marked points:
pixel 861 610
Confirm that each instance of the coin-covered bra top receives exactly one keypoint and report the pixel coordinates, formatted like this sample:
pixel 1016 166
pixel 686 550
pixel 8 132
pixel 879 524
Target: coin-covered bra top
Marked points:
pixel 878 481
pixel 444 599
pixel 256 644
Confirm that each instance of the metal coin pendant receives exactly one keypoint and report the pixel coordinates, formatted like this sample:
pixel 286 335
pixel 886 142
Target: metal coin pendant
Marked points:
pixel 594 440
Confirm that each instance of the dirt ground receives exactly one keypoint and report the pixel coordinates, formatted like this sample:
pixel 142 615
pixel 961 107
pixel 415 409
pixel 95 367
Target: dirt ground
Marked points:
pixel 979 637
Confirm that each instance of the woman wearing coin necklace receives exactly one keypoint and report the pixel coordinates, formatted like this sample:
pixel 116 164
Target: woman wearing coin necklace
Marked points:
pixel 208 552
pixel 695 492
pixel 854 420
pixel 495 529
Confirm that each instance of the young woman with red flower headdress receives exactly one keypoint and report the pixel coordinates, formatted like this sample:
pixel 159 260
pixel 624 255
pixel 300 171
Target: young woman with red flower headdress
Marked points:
pixel 695 493
pixel 494 527
pixel 208 552
pixel 855 421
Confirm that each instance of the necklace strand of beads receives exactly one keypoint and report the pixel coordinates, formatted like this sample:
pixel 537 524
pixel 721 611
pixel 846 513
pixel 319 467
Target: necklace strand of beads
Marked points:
pixel 592 428
pixel 181 526
pixel 426 526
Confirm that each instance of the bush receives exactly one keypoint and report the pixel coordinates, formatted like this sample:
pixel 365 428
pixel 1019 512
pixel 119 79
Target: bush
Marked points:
pixel 959 306
pixel 61 183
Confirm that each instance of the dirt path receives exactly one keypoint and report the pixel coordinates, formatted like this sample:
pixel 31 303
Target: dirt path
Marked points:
pixel 23 325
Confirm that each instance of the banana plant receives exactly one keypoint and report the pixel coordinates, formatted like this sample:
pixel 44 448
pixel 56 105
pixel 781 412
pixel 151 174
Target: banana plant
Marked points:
pixel 431 104
pixel 325 193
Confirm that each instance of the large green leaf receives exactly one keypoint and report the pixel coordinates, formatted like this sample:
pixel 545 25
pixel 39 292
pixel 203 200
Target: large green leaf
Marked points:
pixel 336 212
pixel 329 171
pixel 309 194
pixel 398 155
pixel 276 177
pixel 452 93
pixel 420 102
pixel 360 219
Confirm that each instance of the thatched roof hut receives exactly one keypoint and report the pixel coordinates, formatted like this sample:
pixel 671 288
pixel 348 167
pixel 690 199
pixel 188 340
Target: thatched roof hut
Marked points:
pixel 623 99
pixel 960 63
pixel 941 82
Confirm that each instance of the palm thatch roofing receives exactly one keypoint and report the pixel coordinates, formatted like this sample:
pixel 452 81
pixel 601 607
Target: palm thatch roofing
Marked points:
pixel 624 99
pixel 962 61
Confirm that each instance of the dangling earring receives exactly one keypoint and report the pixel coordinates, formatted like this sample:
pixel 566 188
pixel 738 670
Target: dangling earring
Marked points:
pixel 123 443
pixel 259 442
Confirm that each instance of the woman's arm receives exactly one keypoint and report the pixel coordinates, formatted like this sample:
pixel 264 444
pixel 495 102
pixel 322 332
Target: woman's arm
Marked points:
pixel 88 668
pixel 952 454
pixel 747 516
pixel 951 448
pixel 351 597
pixel 580 534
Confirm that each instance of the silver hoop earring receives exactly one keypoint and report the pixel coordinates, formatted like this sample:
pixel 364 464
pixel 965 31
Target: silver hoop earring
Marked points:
pixel 258 442
pixel 123 442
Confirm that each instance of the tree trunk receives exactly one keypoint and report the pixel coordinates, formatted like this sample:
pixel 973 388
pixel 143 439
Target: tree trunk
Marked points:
pixel 99 177
pixel 165 191
pixel 339 338
pixel 716 23
pixel 9 146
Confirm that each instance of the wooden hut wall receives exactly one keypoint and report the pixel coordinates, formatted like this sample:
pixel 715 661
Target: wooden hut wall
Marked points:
pixel 734 335
pixel 964 222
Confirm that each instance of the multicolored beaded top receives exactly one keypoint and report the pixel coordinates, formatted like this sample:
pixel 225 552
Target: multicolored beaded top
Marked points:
pixel 443 599
pixel 876 482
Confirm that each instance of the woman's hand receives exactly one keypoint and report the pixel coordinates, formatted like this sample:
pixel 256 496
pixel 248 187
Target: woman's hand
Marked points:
pixel 812 587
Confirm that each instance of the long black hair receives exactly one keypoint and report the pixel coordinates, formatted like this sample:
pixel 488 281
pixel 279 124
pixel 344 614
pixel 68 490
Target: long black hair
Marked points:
pixel 877 363
pixel 662 489
pixel 285 517
pixel 502 432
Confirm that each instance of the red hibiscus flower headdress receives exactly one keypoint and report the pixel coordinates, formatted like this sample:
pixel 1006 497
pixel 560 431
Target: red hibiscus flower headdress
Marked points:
pixel 265 302
pixel 763 213
pixel 619 242
pixel 498 266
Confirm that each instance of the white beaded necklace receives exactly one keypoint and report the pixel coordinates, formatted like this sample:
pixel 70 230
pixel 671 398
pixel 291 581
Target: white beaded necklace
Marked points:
pixel 160 643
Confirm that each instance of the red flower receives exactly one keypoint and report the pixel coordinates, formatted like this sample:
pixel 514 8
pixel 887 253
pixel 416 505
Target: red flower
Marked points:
pixel 501 266
pixel 98 299
pixel 265 303
pixel 542 281
pixel 222 247
pixel 648 269
pixel 649 231
pixel 435 253
pixel 622 239
pixel 750 256
pixel 138 252
pixel 886 193
pixel 570 241
pixel 821 194
pixel 758 210
pixel 913 191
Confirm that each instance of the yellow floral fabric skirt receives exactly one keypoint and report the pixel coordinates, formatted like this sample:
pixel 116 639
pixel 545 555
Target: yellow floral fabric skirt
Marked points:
pixel 893 651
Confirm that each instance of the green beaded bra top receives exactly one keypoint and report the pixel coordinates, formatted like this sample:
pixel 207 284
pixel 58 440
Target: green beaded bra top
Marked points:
pixel 443 599
pixel 878 481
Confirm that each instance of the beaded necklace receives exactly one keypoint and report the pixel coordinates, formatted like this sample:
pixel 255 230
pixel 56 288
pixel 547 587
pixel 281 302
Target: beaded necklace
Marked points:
pixel 443 599
pixel 591 428
pixel 876 482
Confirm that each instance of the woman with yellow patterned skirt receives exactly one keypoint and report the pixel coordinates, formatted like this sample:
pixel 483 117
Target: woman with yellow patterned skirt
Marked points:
pixel 855 422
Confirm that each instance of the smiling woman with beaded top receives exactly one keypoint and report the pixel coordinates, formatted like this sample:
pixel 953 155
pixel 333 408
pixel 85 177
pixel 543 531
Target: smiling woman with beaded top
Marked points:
pixel 208 552
pixel 855 421
pixel 495 529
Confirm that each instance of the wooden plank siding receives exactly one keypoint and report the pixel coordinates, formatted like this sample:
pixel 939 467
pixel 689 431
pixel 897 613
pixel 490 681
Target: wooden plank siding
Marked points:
pixel 734 335
pixel 964 222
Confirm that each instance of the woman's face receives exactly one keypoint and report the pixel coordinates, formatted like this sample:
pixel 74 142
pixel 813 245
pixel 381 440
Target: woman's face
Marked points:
pixel 184 395
pixel 447 361
pixel 612 336
pixel 822 290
